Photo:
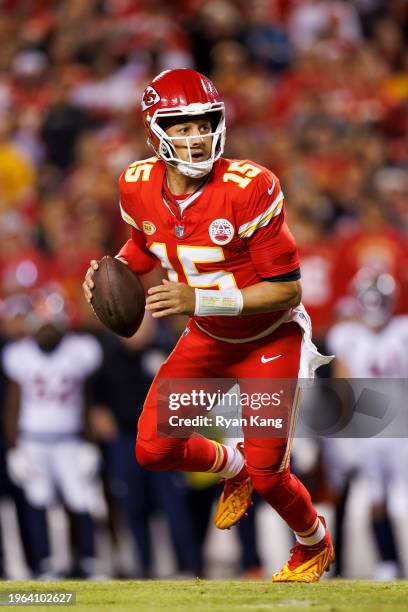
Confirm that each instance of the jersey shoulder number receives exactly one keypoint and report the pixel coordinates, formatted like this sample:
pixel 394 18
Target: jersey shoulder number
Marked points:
pixel 258 195
pixel 139 170
pixel 131 182
pixel 240 173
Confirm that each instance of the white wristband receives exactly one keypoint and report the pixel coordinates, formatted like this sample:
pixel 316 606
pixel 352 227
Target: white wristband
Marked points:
pixel 227 302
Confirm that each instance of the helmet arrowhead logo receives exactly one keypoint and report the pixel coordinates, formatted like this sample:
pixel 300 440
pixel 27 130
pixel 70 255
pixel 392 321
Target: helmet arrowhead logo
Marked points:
pixel 150 97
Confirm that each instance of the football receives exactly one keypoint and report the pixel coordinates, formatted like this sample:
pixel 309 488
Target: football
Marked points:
pixel 118 297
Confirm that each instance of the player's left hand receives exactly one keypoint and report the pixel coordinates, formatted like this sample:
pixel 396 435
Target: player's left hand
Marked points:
pixel 170 298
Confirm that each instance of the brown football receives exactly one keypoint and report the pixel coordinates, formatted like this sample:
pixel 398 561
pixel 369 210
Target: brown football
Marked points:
pixel 118 298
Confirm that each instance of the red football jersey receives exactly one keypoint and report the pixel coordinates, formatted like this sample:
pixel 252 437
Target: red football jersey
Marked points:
pixel 382 250
pixel 232 234
pixel 318 290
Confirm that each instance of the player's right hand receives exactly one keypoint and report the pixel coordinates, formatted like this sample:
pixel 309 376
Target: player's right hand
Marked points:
pixel 88 283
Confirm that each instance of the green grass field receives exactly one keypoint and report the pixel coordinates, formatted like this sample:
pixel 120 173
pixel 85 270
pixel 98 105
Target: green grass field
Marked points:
pixel 224 595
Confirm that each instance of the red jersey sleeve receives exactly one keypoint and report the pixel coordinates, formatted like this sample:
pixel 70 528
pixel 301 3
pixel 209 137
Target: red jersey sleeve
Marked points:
pixel 261 224
pixel 135 251
pixel 139 258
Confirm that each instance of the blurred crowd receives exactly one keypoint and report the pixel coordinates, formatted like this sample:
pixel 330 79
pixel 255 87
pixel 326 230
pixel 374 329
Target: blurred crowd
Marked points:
pixel 316 90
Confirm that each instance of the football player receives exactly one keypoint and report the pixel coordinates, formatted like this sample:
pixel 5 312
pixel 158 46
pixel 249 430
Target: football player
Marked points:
pixel 373 344
pixel 217 226
pixel 45 405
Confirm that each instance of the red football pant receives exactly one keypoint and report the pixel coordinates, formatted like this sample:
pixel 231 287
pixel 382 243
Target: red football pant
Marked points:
pixel 197 355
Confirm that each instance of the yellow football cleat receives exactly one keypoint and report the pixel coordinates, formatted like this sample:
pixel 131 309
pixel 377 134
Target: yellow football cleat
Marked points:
pixel 234 502
pixel 307 563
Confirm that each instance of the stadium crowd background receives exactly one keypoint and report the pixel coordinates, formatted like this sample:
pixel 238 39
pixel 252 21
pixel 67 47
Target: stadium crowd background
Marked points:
pixel 315 90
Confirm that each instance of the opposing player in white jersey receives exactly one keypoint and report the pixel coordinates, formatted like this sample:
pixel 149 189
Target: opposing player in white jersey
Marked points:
pixel 45 409
pixel 374 344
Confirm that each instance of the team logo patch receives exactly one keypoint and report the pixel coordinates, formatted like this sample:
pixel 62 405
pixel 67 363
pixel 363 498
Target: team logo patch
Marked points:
pixel 221 231
pixel 148 227
pixel 150 97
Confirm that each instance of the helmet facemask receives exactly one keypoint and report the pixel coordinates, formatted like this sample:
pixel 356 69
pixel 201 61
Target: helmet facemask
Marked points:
pixel 376 295
pixel 166 149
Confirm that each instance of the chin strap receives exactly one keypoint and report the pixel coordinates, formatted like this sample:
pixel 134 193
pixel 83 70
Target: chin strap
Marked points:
pixel 187 169
pixel 184 167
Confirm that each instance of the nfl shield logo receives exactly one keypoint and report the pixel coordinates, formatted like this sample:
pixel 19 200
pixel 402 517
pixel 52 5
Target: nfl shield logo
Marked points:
pixel 179 231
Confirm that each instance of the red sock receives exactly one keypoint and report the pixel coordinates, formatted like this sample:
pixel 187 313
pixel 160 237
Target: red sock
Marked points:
pixel 203 455
pixel 288 496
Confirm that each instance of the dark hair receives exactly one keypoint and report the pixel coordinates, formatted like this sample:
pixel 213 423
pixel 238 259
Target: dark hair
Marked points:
pixel 212 116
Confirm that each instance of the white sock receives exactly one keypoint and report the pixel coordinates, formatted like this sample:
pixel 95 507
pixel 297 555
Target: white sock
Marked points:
pixel 386 570
pixel 235 462
pixel 318 531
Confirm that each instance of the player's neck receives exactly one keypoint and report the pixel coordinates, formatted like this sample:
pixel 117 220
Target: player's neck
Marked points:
pixel 179 184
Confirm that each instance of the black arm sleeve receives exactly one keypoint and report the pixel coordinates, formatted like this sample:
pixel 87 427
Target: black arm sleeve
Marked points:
pixel 285 278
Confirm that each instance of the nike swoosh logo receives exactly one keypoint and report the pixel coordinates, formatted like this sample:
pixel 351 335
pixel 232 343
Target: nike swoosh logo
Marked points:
pixel 267 359
pixel 270 189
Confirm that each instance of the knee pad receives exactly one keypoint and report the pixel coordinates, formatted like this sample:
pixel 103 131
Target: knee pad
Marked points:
pixel 263 454
pixel 282 487
pixel 268 480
